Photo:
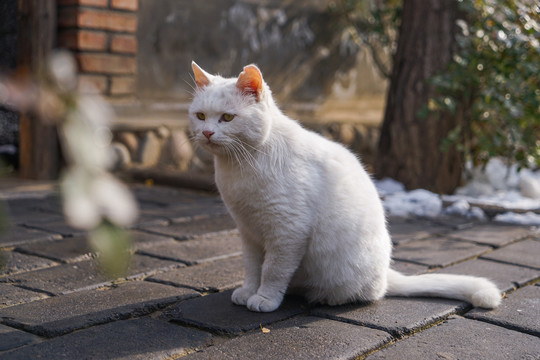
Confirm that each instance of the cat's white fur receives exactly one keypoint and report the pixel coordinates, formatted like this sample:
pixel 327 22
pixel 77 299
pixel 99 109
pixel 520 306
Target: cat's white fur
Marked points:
pixel 308 213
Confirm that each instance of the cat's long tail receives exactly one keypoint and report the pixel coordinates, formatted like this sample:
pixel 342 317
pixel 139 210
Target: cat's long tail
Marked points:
pixel 478 291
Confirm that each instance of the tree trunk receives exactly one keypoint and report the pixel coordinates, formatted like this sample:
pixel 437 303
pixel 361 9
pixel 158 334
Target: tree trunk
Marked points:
pixel 410 145
pixel 39 151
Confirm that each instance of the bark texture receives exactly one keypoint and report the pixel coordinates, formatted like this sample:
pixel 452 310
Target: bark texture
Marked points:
pixel 410 145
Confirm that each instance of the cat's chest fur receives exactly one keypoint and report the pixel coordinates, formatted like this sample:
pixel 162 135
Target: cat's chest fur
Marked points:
pixel 266 193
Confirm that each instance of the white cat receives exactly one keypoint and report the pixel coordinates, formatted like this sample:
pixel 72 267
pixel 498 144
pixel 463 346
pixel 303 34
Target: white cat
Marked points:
pixel 309 215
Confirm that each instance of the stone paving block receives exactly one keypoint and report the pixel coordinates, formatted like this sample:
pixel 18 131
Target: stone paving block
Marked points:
pixel 398 316
pixel 143 240
pixel 299 338
pixel 454 222
pixel 12 295
pixel 13 262
pixel 409 268
pixel 21 209
pixel 11 338
pixel 66 250
pixel 185 212
pixel 211 276
pixel 59 227
pixel 60 279
pixel 525 253
pixel 520 310
pixel 18 234
pixel 217 313
pixel 404 231
pixel 463 339
pixel 163 196
pixel 66 278
pixel 144 339
pixel 190 229
pixel 492 234
pixel 505 276
pixel 59 315
pixel 149 219
pixel 203 248
pixel 437 252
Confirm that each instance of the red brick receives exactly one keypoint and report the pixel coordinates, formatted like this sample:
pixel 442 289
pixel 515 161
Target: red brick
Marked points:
pixel 122 85
pixel 83 40
pixel 100 3
pixel 91 84
pixel 107 64
pixel 124 44
pixel 97 19
pixel 131 5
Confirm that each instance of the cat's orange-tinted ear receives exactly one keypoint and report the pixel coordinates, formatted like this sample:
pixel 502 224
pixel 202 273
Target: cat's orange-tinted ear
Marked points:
pixel 250 81
pixel 202 78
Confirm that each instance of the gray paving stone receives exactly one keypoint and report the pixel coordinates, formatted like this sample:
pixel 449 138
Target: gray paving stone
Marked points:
pixel 216 313
pixel 60 279
pixel 163 196
pixel 505 276
pixel 63 314
pixel 183 212
pixel 211 276
pixel 523 253
pixel 520 310
pixel 11 338
pixel 409 268
pixel 22 209
pixel 144 338
pixel 299 338
pixel 14 262
pixel 492 234
pixel 398 316
pixel 66 250
pixel 18 234
pixel 190 229
pixel 437 252
pixel 454 222
pixel 66 278
pixel 12 295
pixel 463 339
pixel 150 220
pixel 59 227
pixel 143 240
pixel 404 231
pixel 207 247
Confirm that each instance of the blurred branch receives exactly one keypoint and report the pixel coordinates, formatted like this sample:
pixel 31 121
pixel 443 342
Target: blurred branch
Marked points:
pixel 93 199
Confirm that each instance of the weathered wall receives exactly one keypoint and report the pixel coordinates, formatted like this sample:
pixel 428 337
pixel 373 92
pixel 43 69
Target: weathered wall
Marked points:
pixel 297 44
pixel 317 74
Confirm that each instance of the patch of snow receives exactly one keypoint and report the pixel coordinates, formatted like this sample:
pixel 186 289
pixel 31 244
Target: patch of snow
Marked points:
pixel 504 183
pixel 389 186
pixel 498 184
pixel 463 208
pixel 528 218
pixel 529 184
pixel 416 202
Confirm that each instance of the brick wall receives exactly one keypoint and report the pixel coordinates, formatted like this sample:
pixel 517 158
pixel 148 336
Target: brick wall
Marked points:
pixel 102 34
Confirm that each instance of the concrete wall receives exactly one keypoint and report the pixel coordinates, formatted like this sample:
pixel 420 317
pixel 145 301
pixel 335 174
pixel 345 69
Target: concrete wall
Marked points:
pixel 316 73
pixel 297 44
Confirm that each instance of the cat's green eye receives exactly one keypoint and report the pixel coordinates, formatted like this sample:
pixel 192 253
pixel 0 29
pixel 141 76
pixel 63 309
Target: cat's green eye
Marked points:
pixel 227 117
pixel 201 116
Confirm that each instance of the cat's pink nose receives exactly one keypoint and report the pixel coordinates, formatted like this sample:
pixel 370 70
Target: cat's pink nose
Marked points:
pixel 208 133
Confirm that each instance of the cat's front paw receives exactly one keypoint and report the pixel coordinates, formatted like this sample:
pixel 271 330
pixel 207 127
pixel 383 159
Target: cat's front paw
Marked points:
pixel 241 295
pixel 262 304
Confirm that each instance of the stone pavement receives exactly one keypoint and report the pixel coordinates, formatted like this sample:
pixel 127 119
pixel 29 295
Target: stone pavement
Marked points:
pixel 175 301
